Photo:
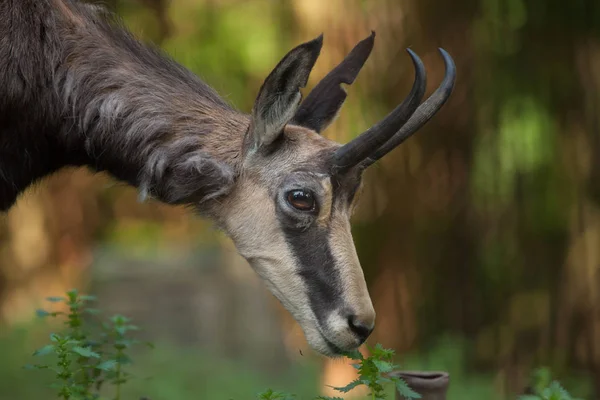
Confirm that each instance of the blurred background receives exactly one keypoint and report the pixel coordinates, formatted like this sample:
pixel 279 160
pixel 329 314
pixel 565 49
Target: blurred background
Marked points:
pixel 479 237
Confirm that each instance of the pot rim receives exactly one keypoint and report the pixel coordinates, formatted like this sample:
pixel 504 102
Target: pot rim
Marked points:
pixel 428 380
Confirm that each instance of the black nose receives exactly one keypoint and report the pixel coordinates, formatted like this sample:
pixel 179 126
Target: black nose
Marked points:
pixel 361 329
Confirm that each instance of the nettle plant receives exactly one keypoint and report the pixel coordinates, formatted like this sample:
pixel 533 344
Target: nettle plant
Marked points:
pixel 543 387
pixel 373 373
pixel 90 353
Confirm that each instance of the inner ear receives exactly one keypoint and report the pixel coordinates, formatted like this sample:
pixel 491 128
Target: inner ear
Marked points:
pixel 279 95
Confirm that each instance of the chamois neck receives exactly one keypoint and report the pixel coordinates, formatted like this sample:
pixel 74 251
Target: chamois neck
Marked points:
pixel 139 111
pixel 86 92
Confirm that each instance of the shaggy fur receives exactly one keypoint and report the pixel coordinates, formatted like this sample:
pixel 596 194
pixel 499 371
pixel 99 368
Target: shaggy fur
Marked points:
pixel 77 89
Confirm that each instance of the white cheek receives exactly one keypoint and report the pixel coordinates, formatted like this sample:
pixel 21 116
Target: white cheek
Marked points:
pixel 281 279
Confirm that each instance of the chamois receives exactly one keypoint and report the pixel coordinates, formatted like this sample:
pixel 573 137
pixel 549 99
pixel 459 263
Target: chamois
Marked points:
pixel 77 89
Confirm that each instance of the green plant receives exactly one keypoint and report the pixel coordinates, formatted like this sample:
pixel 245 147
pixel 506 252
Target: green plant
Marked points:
pixel 272 395
pixel 89 353
pixel 373 373
pixel 545 388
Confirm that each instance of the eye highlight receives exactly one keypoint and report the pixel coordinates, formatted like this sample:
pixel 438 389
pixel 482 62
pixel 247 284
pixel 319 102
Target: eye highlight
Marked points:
pixel 302 200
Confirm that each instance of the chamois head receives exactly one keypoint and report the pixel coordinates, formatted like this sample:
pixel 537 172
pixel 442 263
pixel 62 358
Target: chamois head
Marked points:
pixel 289 210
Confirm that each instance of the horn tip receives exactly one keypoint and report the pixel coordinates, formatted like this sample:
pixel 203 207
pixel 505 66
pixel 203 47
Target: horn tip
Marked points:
pixel 448 60
pixel 415 57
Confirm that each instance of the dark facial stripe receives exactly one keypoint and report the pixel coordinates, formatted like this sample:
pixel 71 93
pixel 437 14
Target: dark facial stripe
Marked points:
pixel 313 254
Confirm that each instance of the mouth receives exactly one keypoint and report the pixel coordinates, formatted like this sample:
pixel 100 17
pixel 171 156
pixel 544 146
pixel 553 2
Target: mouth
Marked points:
pixel 333 350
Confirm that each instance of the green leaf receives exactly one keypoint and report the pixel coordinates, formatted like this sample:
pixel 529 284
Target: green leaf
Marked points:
pixel 123 329
pixel 91 343
pixel 73 342
pixel 272 395
pixel 124 343
pixel 87 298
pixel 383 366
pixel 555 392
pixel 384 380
pixel 354 355
pixel 378 352
pixel 404 390
pixel 35 366
pixel 107 365
pixel 348 387
pixel 85 352
pixel 124 359
pixel 44 350
pixel 119 319
pixel 42 313
pixel 56 299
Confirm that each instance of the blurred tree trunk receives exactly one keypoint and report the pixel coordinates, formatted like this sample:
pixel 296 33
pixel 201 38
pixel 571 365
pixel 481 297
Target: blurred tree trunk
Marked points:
pixel 581 296
pixel 46 250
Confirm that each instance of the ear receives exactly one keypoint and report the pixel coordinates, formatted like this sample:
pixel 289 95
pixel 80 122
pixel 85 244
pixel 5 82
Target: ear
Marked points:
pixel 280 95
pixel 324 102
pixel 183 174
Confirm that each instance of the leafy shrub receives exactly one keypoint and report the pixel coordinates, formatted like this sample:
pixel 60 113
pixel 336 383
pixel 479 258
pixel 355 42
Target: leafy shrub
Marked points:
pixel 92 354
pixel 545 388
pixel 88 354
pixel 373 373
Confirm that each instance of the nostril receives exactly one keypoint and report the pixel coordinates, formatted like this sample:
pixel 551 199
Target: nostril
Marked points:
pixel 360 329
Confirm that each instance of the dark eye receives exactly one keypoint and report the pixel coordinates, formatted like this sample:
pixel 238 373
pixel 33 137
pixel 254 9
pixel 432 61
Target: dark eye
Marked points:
pixel 301 200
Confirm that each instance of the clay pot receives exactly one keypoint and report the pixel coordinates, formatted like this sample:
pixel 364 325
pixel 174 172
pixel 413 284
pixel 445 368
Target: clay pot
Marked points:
pixel 430 385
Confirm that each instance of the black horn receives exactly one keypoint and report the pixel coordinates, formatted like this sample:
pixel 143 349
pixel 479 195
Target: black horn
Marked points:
pixel 423 114
pixel 365 144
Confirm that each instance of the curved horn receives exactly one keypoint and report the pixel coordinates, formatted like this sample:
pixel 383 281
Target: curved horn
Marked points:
pixel 325 100
pixel 423 114
pixel 367 142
